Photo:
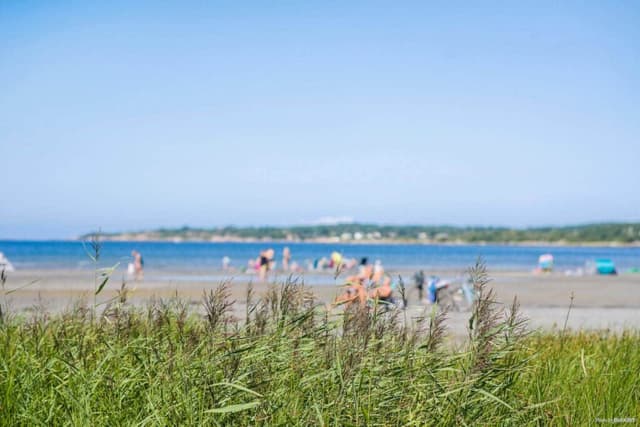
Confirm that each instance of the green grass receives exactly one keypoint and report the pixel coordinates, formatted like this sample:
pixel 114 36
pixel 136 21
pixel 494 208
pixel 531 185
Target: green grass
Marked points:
pixel 290 362
pixel 590 376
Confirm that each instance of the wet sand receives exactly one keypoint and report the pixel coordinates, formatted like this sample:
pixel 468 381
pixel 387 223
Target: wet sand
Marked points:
pixel 600 302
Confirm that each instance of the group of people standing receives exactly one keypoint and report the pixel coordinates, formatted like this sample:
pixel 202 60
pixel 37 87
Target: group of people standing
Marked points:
pixel 370 282
pixel 265 262
pixel 335 262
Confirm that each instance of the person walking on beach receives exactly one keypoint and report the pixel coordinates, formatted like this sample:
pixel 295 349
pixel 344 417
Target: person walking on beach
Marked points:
pixel 138 265
pixel 266 259
pixel 418 279
pixel 226 263
pixel 286 258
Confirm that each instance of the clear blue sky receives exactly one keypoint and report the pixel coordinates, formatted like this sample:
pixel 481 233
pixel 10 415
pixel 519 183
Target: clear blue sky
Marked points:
pixel 127 116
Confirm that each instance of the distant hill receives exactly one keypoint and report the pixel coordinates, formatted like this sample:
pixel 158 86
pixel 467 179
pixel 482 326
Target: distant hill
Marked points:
pixel 607 233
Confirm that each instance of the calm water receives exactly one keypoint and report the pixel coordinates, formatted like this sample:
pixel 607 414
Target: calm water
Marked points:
pixel 206 257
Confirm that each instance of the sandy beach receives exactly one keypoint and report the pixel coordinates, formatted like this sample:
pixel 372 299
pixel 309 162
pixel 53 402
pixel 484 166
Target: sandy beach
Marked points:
pixel 600 302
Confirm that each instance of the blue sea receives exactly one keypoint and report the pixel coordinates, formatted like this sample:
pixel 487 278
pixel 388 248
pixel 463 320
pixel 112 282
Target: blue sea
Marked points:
pixel 207 257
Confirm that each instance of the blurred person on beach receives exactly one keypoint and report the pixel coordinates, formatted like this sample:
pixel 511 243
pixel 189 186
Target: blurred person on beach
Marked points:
pixel 295 267
pixel 365 272
pixel 357 285
pixel 363 266
pixel 369 283
pixel 226 263
pixel 320 263
pixel 418 279
pixel 5 264
pixel 355 292
pixel 382 291
pixel 266 262
pixel 349 264
pixel 335 260
pixel 253 265
pixel 378 271
pixel 138 265
pixel 286 258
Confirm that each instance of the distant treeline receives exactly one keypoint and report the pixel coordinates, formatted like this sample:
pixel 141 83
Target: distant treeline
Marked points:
pixel 591 233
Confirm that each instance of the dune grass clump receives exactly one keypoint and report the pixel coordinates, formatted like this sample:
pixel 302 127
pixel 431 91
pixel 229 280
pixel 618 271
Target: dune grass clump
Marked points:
pixel 289 361
pixel 588 378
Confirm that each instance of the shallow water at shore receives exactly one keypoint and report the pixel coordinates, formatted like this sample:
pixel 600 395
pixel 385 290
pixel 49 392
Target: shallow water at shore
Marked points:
pixel 207 257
